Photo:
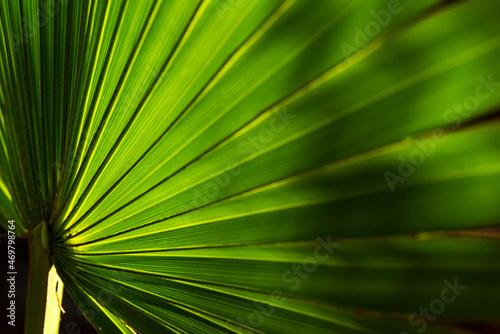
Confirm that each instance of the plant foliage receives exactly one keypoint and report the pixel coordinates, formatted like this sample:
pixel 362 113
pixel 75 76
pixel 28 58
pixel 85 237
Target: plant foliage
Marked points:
pixel 268 166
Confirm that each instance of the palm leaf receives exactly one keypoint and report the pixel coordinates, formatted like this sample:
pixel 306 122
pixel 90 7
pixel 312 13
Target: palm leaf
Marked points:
pixel 281 166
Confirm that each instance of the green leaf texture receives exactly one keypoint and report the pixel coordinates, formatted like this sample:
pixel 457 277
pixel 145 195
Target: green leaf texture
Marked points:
pixel 260 166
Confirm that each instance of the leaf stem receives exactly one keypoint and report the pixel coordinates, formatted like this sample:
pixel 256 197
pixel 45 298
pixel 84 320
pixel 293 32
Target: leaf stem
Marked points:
pixel 42 305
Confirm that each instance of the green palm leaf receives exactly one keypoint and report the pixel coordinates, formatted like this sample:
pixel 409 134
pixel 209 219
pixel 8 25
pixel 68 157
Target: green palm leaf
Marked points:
pixel 281 166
